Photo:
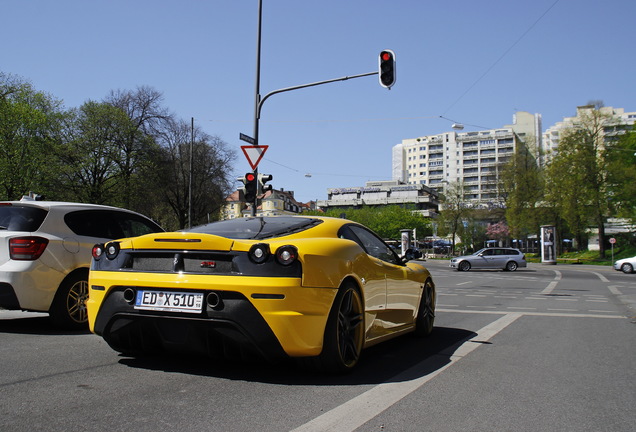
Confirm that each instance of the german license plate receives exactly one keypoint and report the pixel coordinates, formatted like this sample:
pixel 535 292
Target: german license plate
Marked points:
pixel 169 301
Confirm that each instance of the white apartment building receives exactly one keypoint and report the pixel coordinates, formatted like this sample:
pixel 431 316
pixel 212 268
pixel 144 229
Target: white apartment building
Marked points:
pixel 618 120
pixel 470 158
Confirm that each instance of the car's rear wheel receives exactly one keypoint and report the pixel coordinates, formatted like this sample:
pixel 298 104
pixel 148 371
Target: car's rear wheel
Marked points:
pixel 463 266
pixel 426 312
pixel 68 310
pixel 511 266
pixel 627 268
pixel 344 334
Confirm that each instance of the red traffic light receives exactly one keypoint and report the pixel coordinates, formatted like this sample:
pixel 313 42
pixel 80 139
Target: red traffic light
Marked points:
pixel 250 177
pixel 386 68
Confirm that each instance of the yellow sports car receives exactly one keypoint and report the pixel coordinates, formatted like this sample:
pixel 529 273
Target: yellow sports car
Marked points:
pixel 285 286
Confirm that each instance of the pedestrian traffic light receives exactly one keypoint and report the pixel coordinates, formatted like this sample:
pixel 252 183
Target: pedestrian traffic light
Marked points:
pixel 248 192
pixel 386 66
pixel 262 179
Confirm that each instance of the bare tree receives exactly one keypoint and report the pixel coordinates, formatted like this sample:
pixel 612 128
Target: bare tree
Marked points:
pixel 211 172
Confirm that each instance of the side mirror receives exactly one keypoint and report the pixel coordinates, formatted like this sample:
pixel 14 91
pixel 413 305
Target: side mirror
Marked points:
pixel 411 254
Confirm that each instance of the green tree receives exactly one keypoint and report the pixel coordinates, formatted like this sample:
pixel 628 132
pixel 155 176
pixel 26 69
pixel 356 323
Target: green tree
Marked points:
pixel 89 160
pixel 577 176
pixel 386 221
pixel 29 125
pixel 621 174
pixel 454 208
pixel 522 183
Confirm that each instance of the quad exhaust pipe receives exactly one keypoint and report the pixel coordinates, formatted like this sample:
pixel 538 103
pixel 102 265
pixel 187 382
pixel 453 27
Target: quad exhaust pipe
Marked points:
pixel 213 300
pixel 129 295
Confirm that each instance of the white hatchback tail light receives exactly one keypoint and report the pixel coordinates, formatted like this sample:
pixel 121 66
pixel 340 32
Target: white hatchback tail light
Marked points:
pixel 27 248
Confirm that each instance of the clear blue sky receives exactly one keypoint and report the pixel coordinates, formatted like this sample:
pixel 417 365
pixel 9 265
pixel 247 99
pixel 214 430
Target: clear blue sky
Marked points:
pixel 475 62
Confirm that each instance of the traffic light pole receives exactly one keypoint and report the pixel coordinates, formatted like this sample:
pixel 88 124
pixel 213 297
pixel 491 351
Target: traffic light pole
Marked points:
pixel 258 102
pixel 257 95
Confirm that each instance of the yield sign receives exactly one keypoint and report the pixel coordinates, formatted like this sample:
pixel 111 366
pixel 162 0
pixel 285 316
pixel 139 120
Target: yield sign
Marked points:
pixel 254 154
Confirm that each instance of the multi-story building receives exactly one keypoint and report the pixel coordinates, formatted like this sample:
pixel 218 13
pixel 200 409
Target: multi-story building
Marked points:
pixel 469 158
pixel 417 197
pixel 616 121
pixel 273 203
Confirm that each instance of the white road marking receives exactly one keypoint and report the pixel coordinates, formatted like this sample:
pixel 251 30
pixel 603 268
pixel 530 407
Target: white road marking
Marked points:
pixel 359 410
pixel 614 290
pixel 553 284
pixel 601 277
pixel 551 314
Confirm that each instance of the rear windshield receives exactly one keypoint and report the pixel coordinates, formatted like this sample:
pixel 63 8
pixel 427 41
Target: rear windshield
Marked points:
pixel 21 218
pixel 257 227
pixel 109 224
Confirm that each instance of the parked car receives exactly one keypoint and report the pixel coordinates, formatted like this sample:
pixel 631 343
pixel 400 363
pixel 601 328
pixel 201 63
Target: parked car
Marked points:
pixel 45 253
pixel 508 259
pixel 275 287
pixel 626 265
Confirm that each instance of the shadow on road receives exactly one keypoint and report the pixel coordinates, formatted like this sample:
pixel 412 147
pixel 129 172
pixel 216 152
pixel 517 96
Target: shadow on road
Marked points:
pixel 381 363
pixel 34 325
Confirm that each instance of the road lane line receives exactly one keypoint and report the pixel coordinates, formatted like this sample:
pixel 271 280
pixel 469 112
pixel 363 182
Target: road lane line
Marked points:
pixel 553 284
pixel 546 314
pixel 359 410
pixel 614 290
pixel 601 277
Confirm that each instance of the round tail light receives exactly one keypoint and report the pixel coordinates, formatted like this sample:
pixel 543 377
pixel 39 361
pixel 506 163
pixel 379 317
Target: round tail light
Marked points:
pixel 259 253
pixel 286 255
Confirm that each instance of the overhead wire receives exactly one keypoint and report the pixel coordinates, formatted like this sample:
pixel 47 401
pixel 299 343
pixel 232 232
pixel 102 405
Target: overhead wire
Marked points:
pixel 501 57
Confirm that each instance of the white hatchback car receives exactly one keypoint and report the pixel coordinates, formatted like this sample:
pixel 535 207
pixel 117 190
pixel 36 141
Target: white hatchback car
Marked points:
pixel 626 265
pixel 45 253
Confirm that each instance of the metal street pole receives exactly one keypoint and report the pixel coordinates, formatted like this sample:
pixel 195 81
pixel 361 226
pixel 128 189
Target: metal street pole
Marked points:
pixel 257 96
pixel 190 183
pixel 258 102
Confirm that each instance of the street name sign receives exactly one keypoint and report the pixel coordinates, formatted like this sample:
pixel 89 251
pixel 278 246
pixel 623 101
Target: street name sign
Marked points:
pixel 247 138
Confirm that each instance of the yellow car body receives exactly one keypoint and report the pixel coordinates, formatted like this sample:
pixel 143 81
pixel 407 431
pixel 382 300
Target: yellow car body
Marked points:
pixel 253 304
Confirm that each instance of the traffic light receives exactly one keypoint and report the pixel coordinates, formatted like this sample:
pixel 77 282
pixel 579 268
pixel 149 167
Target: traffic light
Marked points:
pixel 250 187
pixel 386 66
pixel 262 179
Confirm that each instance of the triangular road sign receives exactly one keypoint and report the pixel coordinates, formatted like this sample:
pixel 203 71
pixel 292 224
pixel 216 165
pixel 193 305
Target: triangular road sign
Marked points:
pixel 254 154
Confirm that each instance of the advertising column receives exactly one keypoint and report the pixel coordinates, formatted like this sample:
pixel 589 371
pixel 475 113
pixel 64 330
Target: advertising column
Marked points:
pixel 548 244
pixel 406 240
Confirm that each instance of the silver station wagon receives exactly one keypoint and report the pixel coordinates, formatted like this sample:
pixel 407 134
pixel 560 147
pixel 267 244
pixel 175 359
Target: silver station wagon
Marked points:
pixel 491 258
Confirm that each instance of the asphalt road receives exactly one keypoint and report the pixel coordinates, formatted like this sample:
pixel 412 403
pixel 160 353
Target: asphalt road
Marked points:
pixel 548 348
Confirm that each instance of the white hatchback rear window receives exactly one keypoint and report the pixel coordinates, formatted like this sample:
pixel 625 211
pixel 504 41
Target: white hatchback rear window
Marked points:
pixel 21 218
